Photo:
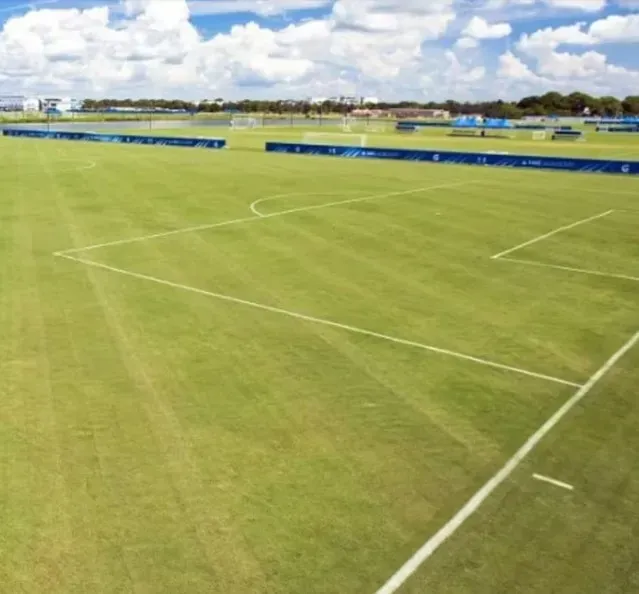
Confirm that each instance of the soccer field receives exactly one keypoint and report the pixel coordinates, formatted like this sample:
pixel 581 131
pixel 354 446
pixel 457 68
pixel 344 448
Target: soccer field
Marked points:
pixel 238 372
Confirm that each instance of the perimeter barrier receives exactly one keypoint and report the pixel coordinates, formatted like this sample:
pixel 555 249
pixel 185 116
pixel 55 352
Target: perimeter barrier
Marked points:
pixel 460 158
pixel 208 143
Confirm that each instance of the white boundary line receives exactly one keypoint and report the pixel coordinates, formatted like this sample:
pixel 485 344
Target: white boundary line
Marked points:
pixel 307 318
pixel 432 544
pixel 550 234
pixel 571 269
pixel 254 204
pixel 155 235
pixel 257 218
pixel 552 481
pixel 87 165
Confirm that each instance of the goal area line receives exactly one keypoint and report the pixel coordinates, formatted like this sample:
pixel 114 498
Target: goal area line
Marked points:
pixel 506 255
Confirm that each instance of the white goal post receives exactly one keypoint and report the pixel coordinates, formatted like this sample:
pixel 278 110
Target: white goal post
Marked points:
pixel 334 138
pixel 539 135
pixel 243 122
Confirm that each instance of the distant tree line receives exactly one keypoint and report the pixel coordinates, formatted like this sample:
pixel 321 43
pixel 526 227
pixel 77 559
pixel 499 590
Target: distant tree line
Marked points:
pixel 552 103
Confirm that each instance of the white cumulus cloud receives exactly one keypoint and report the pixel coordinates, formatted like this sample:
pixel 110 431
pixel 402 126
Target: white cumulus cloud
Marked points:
pixel 511 67
pixel 616 29
pixel 258 7
pixel 478 28
pixel 584 5
pixel 388 48
pixel 466 43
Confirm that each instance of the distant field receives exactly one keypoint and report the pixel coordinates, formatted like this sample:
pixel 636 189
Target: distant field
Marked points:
pixel 236 372
pixel 605 145
pixel 20 116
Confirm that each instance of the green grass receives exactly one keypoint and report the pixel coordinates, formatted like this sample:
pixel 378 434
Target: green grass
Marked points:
pixel 155 440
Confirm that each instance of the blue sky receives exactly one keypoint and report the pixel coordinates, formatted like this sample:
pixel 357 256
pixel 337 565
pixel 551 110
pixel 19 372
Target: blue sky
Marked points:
pixel 391 49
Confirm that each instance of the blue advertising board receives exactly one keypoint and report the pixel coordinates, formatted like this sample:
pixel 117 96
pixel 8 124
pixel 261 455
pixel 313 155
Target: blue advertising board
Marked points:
pixel 631 129
pixel 459 158
pixel 209 143
pixel 425 123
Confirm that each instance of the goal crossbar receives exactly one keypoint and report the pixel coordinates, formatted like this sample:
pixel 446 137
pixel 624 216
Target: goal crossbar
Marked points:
pixel 335 138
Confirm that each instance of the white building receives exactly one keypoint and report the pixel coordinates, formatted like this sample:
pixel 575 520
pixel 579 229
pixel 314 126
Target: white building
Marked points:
pixel 63 104
pixel 31 104
pixel 218 101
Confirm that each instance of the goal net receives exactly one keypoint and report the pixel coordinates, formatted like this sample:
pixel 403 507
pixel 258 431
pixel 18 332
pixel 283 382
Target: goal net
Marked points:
pixel 348 123
pixel 334 139
pixel 539 135
pixel 243 122
pixel 362 125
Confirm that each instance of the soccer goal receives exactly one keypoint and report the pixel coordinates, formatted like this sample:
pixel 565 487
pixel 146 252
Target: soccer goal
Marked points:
pixel 539 135
pixel 348 123
pixel 243 122
pixel 334 139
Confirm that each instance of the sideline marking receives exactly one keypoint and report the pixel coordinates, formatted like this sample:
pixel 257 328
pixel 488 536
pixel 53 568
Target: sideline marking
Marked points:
pixel 300 194
pixel 448 529
pixel 257 218
pixel 550 234
pixel 307 318
pixel 547 479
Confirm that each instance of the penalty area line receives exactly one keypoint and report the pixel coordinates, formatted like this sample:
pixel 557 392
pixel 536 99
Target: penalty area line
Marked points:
pixel 473 504
pixel 259 217
pixel 322 321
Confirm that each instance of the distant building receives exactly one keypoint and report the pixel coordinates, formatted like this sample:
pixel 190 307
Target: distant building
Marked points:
pixel 63 104
pixel 218 101
pixel 368 113
pixel 411 112
pixel 343 100
pixel 11 102
pixel 31 104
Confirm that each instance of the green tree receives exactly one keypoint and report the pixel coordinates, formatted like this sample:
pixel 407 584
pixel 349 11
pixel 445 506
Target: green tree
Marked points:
pixel 610 106
pixel 578 102
pixel 631 105
pixel 555 103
